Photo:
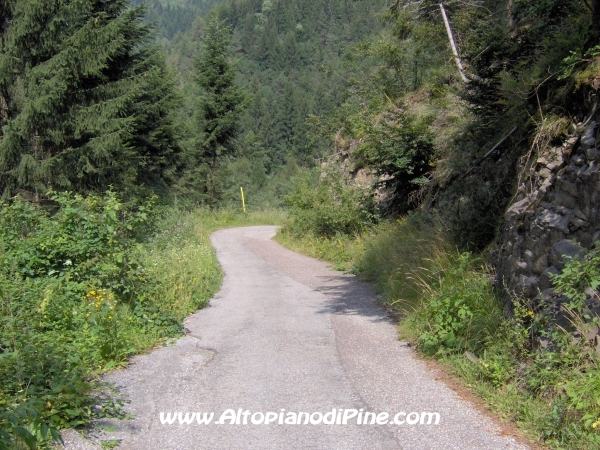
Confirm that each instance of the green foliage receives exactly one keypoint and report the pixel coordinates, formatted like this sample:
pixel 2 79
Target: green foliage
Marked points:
pixel 70 286
pixel 341 250
pixel 288 55
pixel 331 207
pixel 399 150
pixel 176 16
pixel 446 297
pixel 574 59
pixel 579 276
pixel 220 106
pixel 460 312
pixel 81 109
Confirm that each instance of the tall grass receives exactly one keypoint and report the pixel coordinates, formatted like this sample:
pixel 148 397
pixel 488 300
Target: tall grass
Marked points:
pixel 340 250
pixel 406 259
pixel 181 258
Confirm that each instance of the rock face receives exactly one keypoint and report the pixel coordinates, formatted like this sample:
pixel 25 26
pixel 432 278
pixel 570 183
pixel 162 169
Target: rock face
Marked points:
pixel 555 217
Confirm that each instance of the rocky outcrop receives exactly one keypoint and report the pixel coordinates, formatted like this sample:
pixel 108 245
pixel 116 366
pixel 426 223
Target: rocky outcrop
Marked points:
pixel 556 216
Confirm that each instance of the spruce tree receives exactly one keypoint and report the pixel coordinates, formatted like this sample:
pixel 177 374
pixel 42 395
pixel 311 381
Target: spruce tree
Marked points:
pixel 85 99
pixel 221 104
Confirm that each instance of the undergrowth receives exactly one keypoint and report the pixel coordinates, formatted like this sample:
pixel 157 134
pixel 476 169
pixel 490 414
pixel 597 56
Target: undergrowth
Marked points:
pixel 84 285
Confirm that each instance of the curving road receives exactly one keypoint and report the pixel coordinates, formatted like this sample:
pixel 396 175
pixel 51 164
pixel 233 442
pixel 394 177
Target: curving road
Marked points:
pixel 286 332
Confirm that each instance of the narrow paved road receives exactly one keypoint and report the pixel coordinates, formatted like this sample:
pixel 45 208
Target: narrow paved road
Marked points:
pixel 286 332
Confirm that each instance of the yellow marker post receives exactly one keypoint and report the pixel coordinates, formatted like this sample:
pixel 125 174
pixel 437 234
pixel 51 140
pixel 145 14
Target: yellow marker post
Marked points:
pixel 243 201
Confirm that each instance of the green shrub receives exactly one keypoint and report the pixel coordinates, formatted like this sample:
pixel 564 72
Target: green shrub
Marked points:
pixel 461 312
pixel 578 276
pixel 399 149
pixel 74 300
pixel 328 208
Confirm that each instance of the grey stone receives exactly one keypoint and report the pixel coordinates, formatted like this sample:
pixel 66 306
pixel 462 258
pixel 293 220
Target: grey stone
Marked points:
pixel 528 286
pixel 556 164
pixel 585 238
pixel 571 142
pixel 518 208
pixel 570 188
pixel 579 223
pixel 540 264
pixel 529 256
pixel 544 173
pixel 511 262
pixel 596 237
pixel 594 168
pixel 566 200
pixel 588 139
pixel 543 161
pixel 555 220
pixel 522 267
pixel 577 160
pixel 544 297
pixel 563 251
pixel 579 213
pixel 537 230
pixel 564 211
pixel 545 282
pixel 544 187
pixel 592 154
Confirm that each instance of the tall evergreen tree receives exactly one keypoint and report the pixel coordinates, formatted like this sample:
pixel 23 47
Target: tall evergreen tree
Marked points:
pixel 85 98
pixel 221 103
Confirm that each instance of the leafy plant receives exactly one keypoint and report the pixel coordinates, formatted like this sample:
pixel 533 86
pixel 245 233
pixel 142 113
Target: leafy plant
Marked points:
pixel 332 206
pixel 399 150
pixel 578 277
pixel 461 312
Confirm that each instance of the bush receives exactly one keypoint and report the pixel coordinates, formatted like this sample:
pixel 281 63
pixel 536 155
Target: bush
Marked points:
pixel 74 300
pixel 331 207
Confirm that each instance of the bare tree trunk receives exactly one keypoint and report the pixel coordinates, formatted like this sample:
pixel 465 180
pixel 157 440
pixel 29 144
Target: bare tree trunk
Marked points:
pixel 595 22
pixel 453 44
pixel 511 17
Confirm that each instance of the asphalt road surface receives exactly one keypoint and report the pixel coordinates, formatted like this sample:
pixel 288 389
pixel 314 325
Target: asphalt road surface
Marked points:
pixel 288 333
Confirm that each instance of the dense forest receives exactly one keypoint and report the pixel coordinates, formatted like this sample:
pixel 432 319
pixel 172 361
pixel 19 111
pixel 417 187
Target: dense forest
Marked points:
pixel 395 133
pixel 291 60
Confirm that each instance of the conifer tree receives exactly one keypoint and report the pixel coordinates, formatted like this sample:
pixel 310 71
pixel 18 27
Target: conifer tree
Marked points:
pixel 221 103
pixel 85 98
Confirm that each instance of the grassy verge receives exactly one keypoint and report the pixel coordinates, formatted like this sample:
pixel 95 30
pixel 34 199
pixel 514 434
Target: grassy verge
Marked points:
pixel 84 288
pixel 181 259
pixel 452 313
pixel 341 251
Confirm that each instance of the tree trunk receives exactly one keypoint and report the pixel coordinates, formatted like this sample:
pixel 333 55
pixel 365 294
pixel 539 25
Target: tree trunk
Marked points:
pixel 453 44
pixel 511 17
pixel 595 22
